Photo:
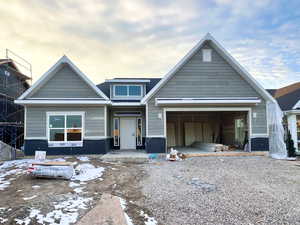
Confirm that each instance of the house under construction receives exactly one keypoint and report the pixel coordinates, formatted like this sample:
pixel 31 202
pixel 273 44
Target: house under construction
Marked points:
pixel 15 74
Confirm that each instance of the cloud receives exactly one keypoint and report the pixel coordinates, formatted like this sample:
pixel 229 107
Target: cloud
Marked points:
pixel 146 38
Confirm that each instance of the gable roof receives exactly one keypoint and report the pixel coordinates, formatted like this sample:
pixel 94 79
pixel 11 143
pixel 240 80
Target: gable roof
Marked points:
pixel 288 97
pixel 224 54
pixel 43 79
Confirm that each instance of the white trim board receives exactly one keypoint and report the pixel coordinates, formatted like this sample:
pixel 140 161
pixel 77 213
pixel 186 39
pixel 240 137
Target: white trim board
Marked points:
pixel 46 76
pixel 60 102
pixel 126 81
pixel 126 104
pixel 35 138
pixel 95 137
pixel 205 101
pixel 208 37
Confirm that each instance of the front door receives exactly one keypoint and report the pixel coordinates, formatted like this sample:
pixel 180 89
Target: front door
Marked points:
pixel 127 133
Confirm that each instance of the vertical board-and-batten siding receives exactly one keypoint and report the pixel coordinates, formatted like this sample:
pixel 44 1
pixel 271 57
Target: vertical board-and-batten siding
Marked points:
pixel 36 120
pixel 65 83
pixel 198 79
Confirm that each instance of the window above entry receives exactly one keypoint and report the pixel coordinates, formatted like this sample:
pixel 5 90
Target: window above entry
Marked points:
pixel 128 91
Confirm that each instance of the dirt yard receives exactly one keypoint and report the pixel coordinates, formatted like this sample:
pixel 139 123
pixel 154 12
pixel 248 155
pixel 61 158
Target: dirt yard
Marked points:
pixel 206 190
pixel 27 200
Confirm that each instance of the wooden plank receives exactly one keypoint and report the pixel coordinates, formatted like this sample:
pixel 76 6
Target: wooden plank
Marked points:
pixel 226 154
pixel 53 163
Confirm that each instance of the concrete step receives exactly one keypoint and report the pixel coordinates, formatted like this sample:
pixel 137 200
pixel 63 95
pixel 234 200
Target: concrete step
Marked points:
pixel 130 156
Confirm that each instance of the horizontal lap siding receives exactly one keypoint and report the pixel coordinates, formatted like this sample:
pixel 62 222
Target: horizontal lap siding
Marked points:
pixel 65 83
pixel 197 79
pixel 36 120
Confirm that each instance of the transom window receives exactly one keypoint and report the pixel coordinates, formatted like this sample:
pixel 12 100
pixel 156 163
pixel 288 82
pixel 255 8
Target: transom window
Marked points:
pixel 65 127
pixel 128 90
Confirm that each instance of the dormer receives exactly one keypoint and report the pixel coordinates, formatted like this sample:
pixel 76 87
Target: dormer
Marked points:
pixel 127 89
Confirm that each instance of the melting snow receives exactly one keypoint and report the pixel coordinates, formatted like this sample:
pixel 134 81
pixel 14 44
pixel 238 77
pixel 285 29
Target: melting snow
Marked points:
pixel 88 172
pixel 36 186
pixel 3 220
pixel 65 212
pixel 4 183
pixel 83 158
pixel 73 184
pixel 29 198
pixel 149 220
pixel 123 206
pixel 79 190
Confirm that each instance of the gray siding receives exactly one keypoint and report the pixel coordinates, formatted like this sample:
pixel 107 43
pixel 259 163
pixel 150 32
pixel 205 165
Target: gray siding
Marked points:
pixel 205 79
pixel 36 119
pixel 65 83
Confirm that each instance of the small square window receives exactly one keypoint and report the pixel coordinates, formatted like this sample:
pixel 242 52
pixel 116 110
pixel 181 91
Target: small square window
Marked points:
pixel 206 55
pixel 121 90
pixel 135 91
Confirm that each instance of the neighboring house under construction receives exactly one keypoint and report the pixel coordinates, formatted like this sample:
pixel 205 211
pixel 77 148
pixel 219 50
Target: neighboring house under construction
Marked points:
pixel 13 83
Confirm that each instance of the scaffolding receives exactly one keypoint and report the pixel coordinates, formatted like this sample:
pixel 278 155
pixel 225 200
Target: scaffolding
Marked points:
pixel 15 72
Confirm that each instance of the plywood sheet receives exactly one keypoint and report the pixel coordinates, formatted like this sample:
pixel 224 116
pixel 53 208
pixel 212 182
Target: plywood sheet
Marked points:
pixel 171 134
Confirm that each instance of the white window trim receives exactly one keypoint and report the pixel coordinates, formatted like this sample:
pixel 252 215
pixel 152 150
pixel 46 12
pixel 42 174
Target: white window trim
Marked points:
pixel 127 96
pixel 65 142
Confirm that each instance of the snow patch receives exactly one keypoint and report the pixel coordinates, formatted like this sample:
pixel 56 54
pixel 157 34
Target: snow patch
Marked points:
pixel 88 172
pixel 73 184
pixel 4 183
pixel 79 190
pixel 123 206
pixel 3 220
pixel 149 220
pixel 29 198
pixel 65 212
pixel 36 186
pixel 83 158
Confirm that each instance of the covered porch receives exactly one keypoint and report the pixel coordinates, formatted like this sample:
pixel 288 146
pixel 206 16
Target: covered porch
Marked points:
pixel 126 127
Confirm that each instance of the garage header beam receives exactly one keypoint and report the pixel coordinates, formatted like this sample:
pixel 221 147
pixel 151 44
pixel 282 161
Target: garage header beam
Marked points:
pixel 196 101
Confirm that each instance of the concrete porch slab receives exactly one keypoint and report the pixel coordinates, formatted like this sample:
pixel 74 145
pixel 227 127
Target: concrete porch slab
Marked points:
pixel 127 156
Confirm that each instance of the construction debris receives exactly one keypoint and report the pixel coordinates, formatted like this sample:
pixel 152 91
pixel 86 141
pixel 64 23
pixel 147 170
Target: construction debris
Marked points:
pixel 174 155
pixel 61 170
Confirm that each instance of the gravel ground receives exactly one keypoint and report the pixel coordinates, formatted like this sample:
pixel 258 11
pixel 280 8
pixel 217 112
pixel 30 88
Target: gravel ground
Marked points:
pixel 223 190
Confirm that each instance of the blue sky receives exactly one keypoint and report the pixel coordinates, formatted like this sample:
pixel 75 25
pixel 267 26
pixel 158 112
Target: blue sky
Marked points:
pixel 116 38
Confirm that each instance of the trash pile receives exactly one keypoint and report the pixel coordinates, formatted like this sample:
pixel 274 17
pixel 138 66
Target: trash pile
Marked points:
pixel 174 155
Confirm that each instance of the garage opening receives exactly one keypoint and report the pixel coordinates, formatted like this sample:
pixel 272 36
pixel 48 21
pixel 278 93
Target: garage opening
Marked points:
pixel 207 131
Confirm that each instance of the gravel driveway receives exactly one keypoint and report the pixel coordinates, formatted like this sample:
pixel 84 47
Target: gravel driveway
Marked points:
pixel 223 190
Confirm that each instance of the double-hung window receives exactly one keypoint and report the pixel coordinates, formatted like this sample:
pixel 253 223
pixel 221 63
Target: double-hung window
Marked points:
pixel 65 129
pixel 131 91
